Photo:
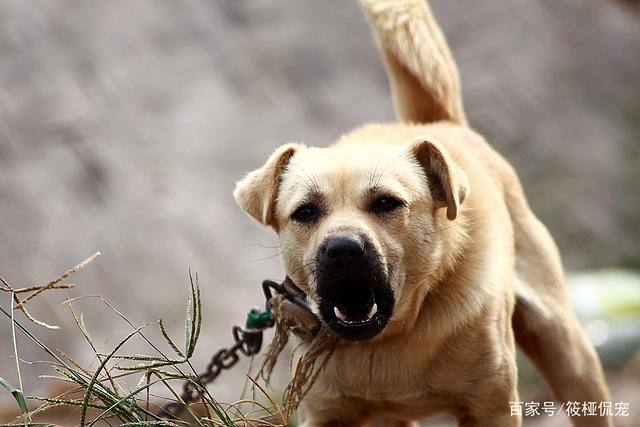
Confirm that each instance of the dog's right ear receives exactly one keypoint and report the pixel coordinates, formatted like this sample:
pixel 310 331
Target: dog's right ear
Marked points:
pixel 257 193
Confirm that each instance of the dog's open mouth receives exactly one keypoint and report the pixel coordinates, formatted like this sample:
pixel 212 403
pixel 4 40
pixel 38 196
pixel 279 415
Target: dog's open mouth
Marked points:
pixel 355 297
pixel 344 317
pixel 357 313
pixel 360 313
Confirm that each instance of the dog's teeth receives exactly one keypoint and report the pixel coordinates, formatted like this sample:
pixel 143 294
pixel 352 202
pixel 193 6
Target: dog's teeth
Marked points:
pixel 340 315
pixel 373 311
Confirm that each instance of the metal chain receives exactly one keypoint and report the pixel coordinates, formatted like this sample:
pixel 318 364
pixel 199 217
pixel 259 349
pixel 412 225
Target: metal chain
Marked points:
pixel 247 341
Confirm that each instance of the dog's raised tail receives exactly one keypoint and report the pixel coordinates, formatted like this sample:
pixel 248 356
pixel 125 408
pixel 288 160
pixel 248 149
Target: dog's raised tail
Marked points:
pixel 423 76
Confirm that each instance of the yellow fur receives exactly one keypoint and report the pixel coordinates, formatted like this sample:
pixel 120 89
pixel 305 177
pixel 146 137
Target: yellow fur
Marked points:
pixel 472 268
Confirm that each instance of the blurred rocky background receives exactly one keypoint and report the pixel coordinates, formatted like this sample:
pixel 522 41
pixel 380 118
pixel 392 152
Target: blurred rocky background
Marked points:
pixel 124 125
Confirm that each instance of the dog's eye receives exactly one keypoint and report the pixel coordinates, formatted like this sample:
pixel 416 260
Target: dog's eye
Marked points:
pixel 305 213
pixel 384 204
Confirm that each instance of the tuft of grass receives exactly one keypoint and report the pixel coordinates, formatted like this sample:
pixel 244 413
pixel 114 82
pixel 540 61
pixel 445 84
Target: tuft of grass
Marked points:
pixel 101 395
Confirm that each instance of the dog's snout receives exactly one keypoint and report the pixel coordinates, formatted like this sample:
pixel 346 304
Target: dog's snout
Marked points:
pixel 355 297
pixel 343 247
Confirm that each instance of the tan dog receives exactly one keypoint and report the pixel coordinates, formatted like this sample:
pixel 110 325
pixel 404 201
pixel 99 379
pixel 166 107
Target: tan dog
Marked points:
pixel 417 247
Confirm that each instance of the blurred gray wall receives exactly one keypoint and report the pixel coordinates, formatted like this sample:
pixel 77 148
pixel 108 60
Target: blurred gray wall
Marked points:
pixel 124 125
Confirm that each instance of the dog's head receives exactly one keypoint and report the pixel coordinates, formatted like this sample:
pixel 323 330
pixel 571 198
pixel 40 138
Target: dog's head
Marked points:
pixel 363 226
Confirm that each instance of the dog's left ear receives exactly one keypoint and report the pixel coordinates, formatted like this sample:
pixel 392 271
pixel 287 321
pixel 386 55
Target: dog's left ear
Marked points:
pixel 448 184
pixel 258 191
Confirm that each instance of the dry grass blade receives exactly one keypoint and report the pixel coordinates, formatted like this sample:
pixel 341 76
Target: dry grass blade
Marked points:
pixel 28 315
pixel 6 287
pixel 85 333
pixel 58 279
pixel 35 288
pixel 283 416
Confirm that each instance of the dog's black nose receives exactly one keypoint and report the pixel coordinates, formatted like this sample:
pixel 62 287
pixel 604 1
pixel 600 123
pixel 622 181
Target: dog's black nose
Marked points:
pixel 342 248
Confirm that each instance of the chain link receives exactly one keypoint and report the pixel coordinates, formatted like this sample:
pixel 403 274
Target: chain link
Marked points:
pixel 247 341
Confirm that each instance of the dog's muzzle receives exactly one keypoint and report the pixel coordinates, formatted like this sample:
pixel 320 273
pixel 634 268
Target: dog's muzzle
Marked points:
pixel 355 298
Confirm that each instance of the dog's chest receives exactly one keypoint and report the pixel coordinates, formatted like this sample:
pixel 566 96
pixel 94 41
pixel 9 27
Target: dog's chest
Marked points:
pixel 389 375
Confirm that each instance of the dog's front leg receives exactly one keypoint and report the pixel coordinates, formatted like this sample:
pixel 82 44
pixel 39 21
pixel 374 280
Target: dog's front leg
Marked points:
pixel 497 420
pixel 392 423
pixel 377 423
pixel 490 404
pixel 311 422
pixel 490 415
pixel 317 412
